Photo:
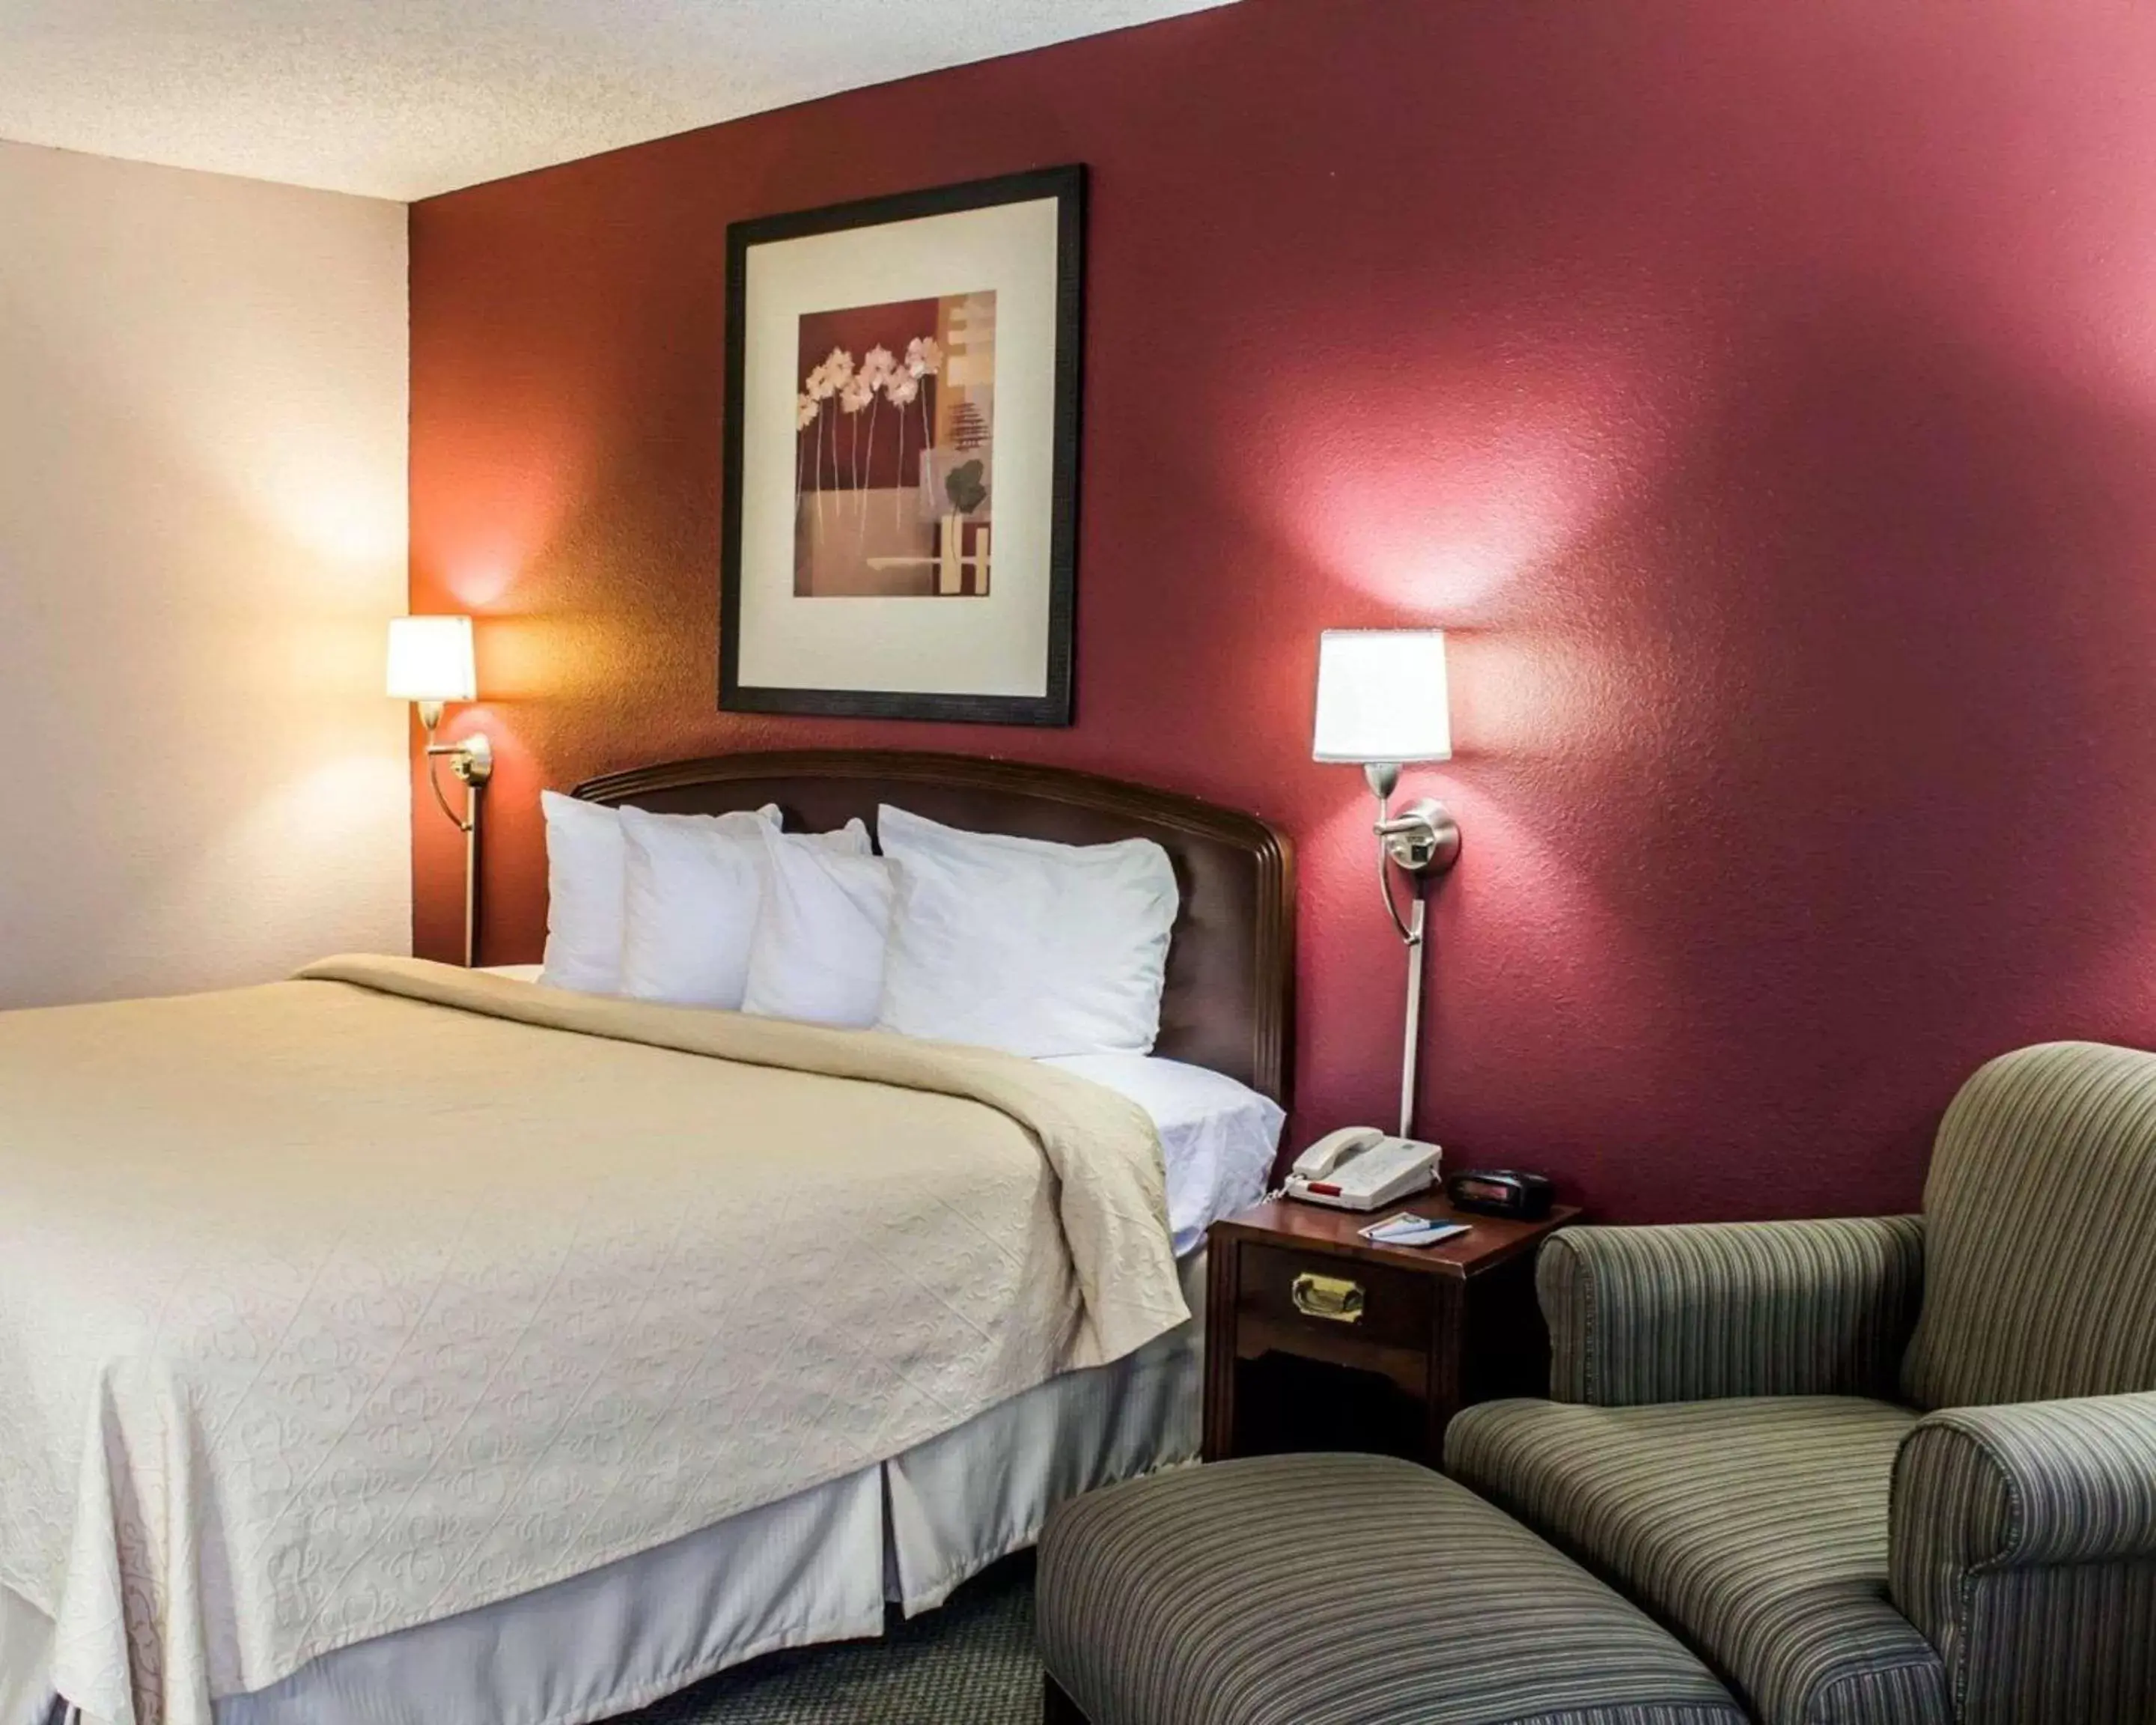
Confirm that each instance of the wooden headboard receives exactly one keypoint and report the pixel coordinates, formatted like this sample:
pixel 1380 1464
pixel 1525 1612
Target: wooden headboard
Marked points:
pixel 1231 967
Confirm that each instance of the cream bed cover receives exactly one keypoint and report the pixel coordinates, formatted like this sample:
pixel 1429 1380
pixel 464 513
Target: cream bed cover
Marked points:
pixel 341 1305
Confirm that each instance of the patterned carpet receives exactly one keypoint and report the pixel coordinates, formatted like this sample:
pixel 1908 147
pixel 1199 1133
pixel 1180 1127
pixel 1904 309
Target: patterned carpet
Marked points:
pixel 971 1663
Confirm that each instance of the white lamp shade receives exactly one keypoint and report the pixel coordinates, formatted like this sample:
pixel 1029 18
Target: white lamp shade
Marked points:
pixel 1382 697
pixel 430 659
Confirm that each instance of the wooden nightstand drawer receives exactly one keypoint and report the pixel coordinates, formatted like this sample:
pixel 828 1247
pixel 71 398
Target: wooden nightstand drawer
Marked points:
pixel 1316 1339
pixel 1334 1299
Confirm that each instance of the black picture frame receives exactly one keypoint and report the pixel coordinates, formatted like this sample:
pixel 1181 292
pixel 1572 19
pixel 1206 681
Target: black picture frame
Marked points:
pixel 1067 186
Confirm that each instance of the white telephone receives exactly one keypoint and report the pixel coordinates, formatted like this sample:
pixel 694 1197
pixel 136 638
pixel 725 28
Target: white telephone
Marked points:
pixel 1359 1167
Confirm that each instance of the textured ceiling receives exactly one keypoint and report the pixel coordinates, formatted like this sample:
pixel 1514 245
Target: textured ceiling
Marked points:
pixel 405 98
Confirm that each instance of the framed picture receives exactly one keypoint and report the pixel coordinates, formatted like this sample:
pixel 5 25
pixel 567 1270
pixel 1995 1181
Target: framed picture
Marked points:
pixel 902 455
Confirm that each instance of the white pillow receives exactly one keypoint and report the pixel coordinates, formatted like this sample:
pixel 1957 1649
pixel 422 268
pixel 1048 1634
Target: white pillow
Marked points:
pixel 692 885
pixel 584 895
pixel 586 890
pixel 1018 944
pixel 818 953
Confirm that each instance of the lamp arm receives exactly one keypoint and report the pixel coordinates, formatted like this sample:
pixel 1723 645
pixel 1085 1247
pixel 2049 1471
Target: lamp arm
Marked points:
pixel 434 752
pixel 430 715
pixel 472 761
pixel 1421 840
pixel 1412 936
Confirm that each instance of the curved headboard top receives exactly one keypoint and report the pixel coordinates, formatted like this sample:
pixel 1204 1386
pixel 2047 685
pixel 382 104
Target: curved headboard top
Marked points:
pixel 1231 964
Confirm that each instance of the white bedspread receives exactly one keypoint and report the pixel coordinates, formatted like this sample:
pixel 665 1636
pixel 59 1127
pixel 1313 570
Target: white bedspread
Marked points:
pixel 326 1311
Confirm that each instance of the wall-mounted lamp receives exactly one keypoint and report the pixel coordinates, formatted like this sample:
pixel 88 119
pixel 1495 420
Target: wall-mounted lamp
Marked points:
pixel 1381 701
pixel 430 663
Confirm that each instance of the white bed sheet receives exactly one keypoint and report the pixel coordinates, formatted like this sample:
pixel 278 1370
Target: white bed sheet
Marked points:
pixel 814 1567
pixel 1218 1137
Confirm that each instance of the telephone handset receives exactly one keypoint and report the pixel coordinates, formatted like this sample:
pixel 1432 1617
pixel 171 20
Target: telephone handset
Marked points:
pixel 1359 1167
pixel 1329 1151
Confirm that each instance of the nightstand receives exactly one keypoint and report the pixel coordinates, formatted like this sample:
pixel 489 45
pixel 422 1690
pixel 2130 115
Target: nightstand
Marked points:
pixel 1315 1339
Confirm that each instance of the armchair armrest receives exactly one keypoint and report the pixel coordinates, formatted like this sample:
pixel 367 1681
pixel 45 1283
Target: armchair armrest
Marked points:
pixel 2026 1483
pixel 1703 1312
pixel 2023 1539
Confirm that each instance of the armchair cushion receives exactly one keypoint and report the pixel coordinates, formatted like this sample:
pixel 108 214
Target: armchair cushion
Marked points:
pixel 1690 1313
pixel 2025 1546
pixel 2039 1220
pixel 1756 1529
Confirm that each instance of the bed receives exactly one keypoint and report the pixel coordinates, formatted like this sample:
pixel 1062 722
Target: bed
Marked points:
pixel 384 1494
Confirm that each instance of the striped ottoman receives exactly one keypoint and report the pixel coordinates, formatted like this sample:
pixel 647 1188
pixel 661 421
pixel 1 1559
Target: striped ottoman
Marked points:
pixel 1339 1590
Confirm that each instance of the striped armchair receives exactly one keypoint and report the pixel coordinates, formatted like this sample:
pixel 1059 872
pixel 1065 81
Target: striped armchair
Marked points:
pixel 1880 1472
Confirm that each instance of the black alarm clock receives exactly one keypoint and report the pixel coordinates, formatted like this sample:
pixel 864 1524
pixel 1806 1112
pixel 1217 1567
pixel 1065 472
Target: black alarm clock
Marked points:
pixel 1500 1192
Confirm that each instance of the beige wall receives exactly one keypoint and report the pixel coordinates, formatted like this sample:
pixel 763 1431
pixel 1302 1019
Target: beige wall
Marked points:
pixel 203 390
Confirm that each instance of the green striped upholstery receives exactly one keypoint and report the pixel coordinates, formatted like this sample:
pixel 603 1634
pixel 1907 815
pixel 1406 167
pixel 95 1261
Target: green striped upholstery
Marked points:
pixel 1688 1313
pixel 1756 1528
pixel 1341 1590
pixel 2040 1223
pixel 2024 1546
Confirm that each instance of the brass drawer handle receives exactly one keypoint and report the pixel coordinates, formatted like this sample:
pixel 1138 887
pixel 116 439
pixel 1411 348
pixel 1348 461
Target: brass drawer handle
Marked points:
pixel 1331 1297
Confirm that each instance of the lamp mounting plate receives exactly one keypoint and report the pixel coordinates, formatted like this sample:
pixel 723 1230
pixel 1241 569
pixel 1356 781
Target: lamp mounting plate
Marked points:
pixel 471 758
pixel 1422 838
pixel 474 761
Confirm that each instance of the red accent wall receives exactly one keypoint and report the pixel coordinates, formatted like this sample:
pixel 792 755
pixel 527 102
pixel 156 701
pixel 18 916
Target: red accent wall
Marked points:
pixel 1765 395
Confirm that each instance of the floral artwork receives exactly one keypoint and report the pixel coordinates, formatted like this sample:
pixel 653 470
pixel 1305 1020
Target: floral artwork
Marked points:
pixel 899 500
pixel 895 430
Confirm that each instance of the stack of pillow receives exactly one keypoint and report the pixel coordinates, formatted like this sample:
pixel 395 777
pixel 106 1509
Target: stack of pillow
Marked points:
pixel 1033 947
